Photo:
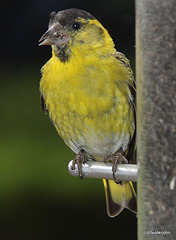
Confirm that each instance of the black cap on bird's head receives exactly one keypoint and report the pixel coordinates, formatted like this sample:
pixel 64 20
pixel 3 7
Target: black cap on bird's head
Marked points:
pixel 61 23
pixel 72 29
pixel 63 27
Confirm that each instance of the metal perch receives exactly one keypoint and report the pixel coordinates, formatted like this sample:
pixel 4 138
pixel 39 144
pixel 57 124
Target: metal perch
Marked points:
pixel 92 169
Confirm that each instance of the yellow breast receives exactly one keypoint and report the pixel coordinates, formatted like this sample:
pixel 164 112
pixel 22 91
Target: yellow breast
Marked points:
pixel 88 101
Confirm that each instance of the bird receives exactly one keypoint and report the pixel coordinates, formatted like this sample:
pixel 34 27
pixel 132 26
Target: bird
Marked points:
pixel 88 89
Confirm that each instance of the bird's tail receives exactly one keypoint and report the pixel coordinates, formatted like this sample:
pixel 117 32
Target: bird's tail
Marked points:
pixel 119 196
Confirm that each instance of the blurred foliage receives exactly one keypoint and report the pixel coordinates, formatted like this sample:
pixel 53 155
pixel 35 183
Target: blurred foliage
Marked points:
pixel 32 153
pixel 38 197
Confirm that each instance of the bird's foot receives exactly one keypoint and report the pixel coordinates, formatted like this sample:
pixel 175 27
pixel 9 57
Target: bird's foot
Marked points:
pixel 116 158
pixel 79 160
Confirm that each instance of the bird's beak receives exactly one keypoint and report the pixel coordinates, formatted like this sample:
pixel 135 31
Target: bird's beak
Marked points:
pixel 53 36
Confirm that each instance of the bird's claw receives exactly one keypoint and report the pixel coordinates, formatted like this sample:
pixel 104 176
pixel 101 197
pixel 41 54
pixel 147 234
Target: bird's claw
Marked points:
pixel 116 158
pixel 79 160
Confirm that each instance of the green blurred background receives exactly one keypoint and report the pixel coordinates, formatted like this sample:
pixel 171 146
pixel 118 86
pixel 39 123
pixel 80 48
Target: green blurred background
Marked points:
pixel 38 197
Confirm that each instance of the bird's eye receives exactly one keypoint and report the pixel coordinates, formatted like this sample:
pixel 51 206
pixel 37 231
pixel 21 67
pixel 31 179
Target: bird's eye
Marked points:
pixel 76 25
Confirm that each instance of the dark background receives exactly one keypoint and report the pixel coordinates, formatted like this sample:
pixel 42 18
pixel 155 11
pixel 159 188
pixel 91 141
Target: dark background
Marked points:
pixel 38 197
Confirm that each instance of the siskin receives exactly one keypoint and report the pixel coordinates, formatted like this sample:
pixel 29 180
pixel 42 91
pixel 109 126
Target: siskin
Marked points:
pixel 86 87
